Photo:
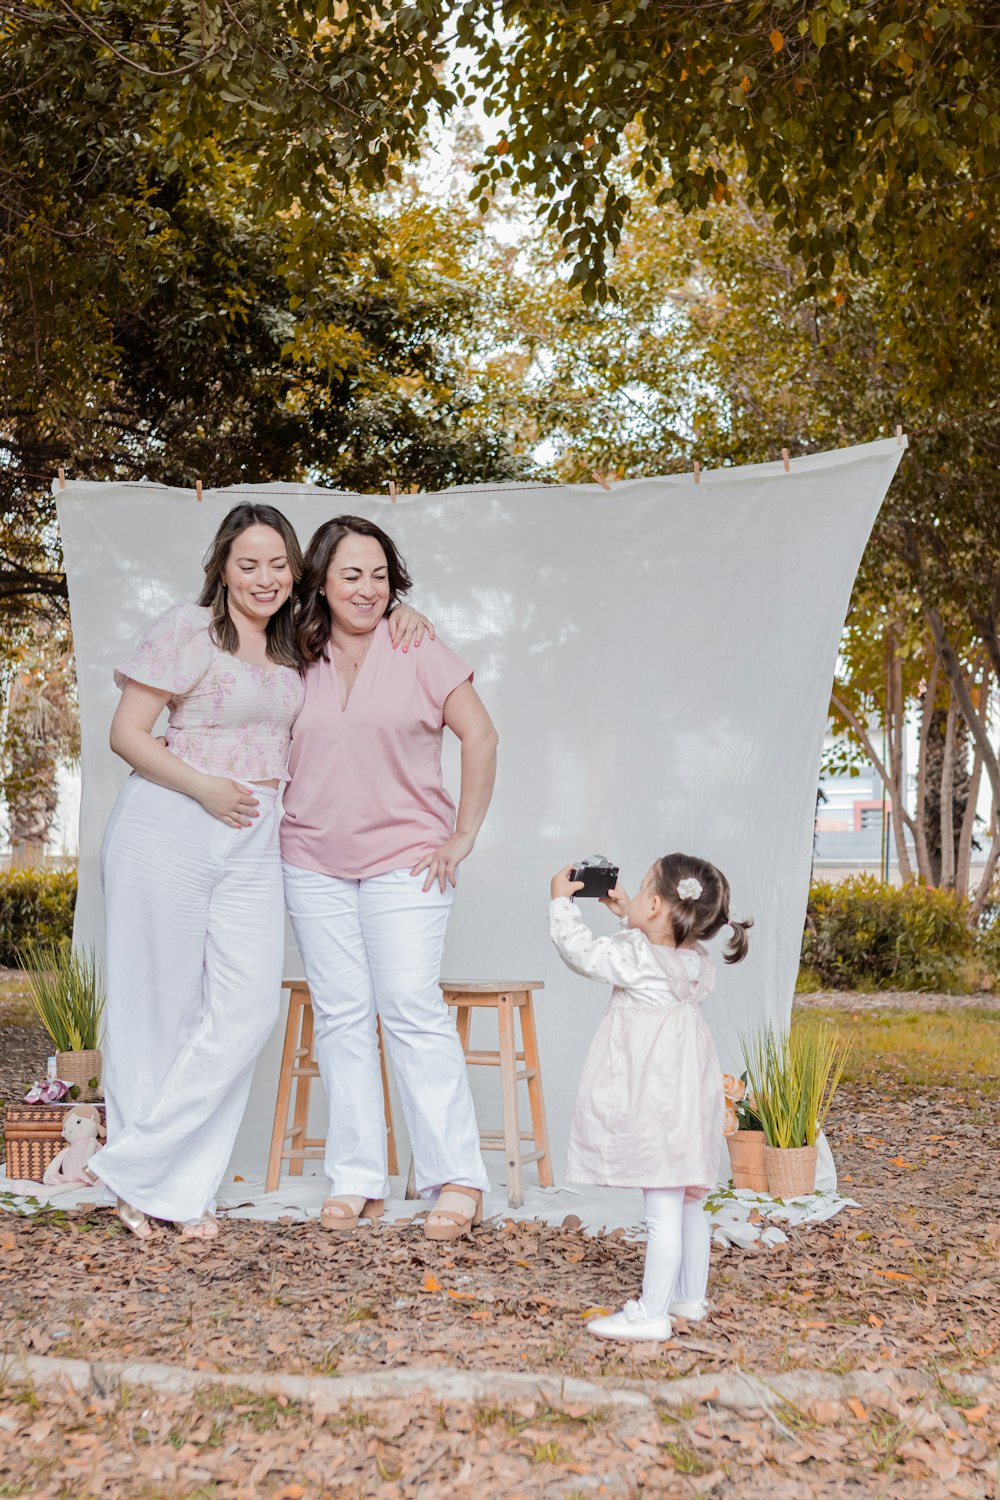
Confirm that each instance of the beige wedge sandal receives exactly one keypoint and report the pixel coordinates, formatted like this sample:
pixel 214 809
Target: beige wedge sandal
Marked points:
pixel 339 1217
pixel 457 1224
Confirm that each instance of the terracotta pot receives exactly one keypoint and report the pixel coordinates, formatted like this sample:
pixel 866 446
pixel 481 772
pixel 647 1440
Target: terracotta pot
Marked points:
pixel 791 1170
pixel 80 1068
pixel 746 1154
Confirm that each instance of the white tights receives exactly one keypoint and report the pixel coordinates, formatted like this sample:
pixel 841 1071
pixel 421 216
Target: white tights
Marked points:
pixel 678 1246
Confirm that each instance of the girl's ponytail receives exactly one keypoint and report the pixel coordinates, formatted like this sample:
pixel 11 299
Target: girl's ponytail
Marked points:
pixel 698 896
pixel 736 949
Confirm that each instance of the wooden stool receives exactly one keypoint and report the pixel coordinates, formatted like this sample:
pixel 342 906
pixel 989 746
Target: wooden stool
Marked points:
pixel 298 1069
pixel 506 999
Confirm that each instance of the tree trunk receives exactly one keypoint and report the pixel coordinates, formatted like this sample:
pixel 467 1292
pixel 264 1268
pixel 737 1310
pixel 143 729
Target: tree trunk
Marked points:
pixel 947 798
pixel 966 838
pixel 926 709
pixel 901 819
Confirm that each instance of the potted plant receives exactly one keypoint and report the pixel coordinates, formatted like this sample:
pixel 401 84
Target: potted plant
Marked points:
pixel 744 1135
pixel 66 988
pixel 793 1075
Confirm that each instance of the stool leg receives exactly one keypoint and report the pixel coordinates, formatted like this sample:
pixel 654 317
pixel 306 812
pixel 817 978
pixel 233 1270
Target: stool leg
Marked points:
pixel 300 1104
pixel 284 1091
pixel 508 1092
pixel 536 1099
pixel 392 1161
pixel 463 1021
pixel 411 1181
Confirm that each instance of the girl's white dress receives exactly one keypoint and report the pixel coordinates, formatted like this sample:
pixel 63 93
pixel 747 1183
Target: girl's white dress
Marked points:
pixel 650 1110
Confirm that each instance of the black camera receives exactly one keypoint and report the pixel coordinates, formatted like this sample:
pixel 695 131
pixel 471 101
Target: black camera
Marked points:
pixel 598 874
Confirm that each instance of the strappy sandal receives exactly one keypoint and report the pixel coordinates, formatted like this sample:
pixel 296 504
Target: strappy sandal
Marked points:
pixel 135 1221
pixel 205 1228
pixel 457 1224
pixel 339 1217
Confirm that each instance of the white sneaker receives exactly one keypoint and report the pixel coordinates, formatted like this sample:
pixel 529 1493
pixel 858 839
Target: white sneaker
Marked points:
pixel 631 1323
pixel 693 1311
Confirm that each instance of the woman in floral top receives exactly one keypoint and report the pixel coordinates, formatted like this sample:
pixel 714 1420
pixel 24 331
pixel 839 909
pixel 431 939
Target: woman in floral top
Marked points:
pixel 192 877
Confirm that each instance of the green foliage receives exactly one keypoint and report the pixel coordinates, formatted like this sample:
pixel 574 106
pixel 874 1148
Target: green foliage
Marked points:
pixel 36 906
pixel 863 935
pixel 66 987
pixel 989 942
pixel 195 286
pixel 793 1077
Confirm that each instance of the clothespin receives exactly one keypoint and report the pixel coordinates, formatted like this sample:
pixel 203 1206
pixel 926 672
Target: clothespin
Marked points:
pixel 697 472
pixel 62 477
pixel 197 489
pixel 899 434
pixel 601 480
pixel 784 460
pixel 392 491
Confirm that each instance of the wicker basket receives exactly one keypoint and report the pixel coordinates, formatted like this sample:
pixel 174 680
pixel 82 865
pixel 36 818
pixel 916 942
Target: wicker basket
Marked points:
pixel 791 1170
pixel 80 1068
pixel 746 1155
pixel 34 1138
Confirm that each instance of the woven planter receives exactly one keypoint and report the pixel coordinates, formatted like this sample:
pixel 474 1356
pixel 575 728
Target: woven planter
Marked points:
pixel 34 1137
pixel 80 1068
pixel 746 1156
pixel 791 1171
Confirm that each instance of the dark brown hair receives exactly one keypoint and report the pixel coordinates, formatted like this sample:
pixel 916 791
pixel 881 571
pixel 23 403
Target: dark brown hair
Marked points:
pixel 315 620
pixel 701 916
pixel 280 630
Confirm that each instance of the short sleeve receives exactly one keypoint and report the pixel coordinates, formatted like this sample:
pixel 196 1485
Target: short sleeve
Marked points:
pixel 441 672
pixel 174 654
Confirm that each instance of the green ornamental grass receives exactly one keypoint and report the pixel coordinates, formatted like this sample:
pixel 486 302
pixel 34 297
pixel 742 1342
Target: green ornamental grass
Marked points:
pixel 66 988
pixel 793 1076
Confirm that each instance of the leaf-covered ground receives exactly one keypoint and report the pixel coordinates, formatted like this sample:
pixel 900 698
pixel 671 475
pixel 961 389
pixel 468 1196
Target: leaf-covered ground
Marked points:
pixel 904 1286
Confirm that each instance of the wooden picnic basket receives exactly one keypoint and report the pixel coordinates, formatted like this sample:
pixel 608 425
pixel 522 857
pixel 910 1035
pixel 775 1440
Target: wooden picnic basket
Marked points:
pixel 33 1133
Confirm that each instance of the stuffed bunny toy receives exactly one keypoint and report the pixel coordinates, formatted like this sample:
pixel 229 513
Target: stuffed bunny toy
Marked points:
pixel 83 1129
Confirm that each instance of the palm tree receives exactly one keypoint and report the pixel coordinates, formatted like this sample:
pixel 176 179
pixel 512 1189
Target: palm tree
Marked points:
pixel 41 730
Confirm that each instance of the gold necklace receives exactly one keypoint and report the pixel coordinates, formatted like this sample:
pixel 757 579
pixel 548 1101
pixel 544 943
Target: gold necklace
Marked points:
pixel 357 660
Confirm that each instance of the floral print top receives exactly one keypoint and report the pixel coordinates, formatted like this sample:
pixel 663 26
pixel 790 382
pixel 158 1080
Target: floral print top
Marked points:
pixel 226 716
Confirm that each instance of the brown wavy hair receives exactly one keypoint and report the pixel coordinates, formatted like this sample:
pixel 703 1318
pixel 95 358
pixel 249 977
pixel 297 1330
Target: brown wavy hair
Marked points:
pixel 315 621
pixel 280 631
pixel 707 914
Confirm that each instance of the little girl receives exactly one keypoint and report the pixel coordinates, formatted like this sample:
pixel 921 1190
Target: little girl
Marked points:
pixel 649 1112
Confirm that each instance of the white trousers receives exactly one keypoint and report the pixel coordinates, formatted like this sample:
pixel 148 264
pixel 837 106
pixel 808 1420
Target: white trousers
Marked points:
pixel 195 944
pixel 678 1249
pixel 372 948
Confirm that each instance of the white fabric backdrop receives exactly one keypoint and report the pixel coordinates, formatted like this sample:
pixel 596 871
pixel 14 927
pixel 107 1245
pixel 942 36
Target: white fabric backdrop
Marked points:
pixel 657 660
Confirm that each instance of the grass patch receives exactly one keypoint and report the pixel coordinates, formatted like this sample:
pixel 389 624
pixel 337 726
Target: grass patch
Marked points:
pixel 16 1008
pixel 922 1049
pixel 685 1459
pixel 262 1412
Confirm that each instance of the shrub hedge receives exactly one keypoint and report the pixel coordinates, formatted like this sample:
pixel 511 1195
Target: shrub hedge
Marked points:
pixel 863 935
pixel 36 906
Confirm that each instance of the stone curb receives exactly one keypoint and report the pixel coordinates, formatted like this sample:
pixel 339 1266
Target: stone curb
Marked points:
pixel 736 1391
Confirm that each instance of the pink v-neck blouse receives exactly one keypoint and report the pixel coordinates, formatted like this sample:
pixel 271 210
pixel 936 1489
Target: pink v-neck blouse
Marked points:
pixel 227 717
pixel 365 795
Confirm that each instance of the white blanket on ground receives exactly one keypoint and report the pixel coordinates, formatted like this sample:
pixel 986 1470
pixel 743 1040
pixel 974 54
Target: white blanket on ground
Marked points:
pixel 740 1218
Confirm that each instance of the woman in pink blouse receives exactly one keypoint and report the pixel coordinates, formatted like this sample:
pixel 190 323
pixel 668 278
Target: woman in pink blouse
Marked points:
pixel 192 879
pixel 370 846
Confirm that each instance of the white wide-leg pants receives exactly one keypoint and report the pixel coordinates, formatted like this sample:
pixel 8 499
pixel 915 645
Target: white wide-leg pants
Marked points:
pixel 195 948
pixel 372 948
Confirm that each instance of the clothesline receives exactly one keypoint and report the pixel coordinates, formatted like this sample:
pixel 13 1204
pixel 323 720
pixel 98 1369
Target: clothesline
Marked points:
pixel 601 479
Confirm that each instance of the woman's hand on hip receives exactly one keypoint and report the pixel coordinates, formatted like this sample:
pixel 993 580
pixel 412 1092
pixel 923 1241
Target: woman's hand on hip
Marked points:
pixel 442 864
pixel 407 627
pixel 231 803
